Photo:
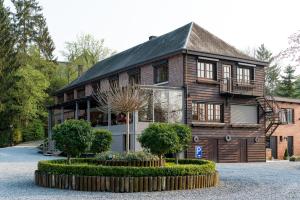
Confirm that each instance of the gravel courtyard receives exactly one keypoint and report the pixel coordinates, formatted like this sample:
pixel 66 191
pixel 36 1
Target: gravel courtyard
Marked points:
pixel 272 180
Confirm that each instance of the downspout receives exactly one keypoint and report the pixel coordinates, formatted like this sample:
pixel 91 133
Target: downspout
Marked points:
pixel 185 91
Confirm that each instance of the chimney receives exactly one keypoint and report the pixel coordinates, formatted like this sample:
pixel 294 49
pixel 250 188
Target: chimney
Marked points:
pixel 152 37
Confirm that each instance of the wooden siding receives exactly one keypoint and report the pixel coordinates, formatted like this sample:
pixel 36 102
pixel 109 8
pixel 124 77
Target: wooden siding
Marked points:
pixel 176 71
pixel 209 92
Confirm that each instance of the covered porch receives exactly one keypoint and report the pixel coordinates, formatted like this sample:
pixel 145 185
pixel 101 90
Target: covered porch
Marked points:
pixel 162 104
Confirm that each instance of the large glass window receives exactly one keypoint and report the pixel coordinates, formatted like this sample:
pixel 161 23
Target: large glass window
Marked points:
pixel 161 73
pixel 205 70
pixel 243 75
pixel 162 105
pixel 206 112
pixel 134 78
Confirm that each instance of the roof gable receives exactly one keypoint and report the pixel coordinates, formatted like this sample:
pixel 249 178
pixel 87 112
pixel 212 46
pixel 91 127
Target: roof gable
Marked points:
pixel 203 41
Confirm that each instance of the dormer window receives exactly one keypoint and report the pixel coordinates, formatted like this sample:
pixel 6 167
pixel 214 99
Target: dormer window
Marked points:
pixel 206 70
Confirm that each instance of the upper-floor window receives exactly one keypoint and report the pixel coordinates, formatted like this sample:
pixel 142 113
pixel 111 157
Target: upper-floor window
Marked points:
pixel 96 86
pixel 161 73
pixel 60 98
pixel 70 95
pixel 134 77
pixel 81 92
pixel 114 81
pixel 206 70
pixel 287 115
pixel 206 112
pixel 244 75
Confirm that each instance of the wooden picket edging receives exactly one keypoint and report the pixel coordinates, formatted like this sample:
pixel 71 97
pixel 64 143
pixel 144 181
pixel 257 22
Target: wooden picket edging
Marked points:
pixel 125 184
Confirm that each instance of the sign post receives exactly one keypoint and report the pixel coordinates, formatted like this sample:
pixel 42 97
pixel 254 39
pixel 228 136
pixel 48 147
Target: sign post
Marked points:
pixel 198 151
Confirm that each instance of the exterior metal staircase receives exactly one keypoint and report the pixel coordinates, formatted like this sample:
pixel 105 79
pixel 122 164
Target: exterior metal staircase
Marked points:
pixel 272 113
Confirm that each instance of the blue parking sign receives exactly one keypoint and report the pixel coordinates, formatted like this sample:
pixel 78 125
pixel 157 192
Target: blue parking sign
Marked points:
pixel 198 151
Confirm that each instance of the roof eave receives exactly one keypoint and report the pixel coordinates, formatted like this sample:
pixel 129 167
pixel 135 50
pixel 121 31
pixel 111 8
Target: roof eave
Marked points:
pixel 256 62
pixel 181 50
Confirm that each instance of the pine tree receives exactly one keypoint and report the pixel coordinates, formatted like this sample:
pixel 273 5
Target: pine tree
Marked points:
pixel 8 61
pixel 272 71
pixel 31 28
pixel 286 87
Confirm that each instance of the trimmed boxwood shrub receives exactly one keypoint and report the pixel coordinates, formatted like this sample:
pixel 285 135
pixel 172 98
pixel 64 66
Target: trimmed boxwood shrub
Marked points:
pixel 86 167
pixel 102 141
pixel 73 137
pixel 159 138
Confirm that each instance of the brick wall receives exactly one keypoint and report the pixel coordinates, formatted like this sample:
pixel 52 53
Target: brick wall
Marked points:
pixel 147 75
pixel 289 130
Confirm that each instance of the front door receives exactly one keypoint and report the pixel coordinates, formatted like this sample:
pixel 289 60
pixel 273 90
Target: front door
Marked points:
pixel 273 146
pixel 291 145
pixel 227 78
pixel 212 149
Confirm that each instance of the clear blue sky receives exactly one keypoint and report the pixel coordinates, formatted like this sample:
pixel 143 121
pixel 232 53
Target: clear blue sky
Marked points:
pixel 124 24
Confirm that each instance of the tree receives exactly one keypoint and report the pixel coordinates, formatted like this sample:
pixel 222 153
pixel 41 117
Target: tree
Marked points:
pixel 160 139
pixel 102 141
pixel 85 51
pixel 8 66
pixel 8 59
pixel 272 71
pixel 293 51
pixel 286 87
pixel 73 137
pixel 184 134
pixel 119 99
pixel 30 26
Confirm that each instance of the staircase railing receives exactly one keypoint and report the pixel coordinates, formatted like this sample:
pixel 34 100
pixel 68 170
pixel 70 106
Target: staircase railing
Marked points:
pixel 273 114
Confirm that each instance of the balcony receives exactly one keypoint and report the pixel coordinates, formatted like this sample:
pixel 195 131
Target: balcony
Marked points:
pixel 230 86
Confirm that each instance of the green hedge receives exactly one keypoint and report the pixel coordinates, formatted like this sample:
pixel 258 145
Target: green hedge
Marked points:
pixel 295 158
pixel 87 167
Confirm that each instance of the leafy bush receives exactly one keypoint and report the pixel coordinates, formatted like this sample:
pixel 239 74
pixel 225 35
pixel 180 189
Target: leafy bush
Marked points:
pixel 34 131
pixel 286 155
pixel 295 158
pixel 159 138
pixel 85 167
pixel 73 137
pixel 4 138
pixel 139 156
pixel 102 141
pixel 17 136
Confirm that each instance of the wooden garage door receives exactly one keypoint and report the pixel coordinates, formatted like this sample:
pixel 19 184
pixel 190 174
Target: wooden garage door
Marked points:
pixel 233 151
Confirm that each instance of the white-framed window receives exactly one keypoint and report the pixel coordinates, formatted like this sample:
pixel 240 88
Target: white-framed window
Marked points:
pixel 243 75
pixel 205 70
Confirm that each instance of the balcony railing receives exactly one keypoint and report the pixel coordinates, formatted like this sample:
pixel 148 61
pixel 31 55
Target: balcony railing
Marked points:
pixel 248 88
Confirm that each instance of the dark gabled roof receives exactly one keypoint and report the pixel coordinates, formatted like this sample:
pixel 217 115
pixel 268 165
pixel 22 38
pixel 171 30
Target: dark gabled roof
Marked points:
pixel 189 37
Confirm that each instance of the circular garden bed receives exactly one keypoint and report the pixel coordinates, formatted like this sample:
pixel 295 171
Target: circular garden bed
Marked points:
pixel 126 176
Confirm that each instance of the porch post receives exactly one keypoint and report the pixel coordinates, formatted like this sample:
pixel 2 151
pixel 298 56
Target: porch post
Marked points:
pixel 88 111
pixel 62 114
pixel 76 110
